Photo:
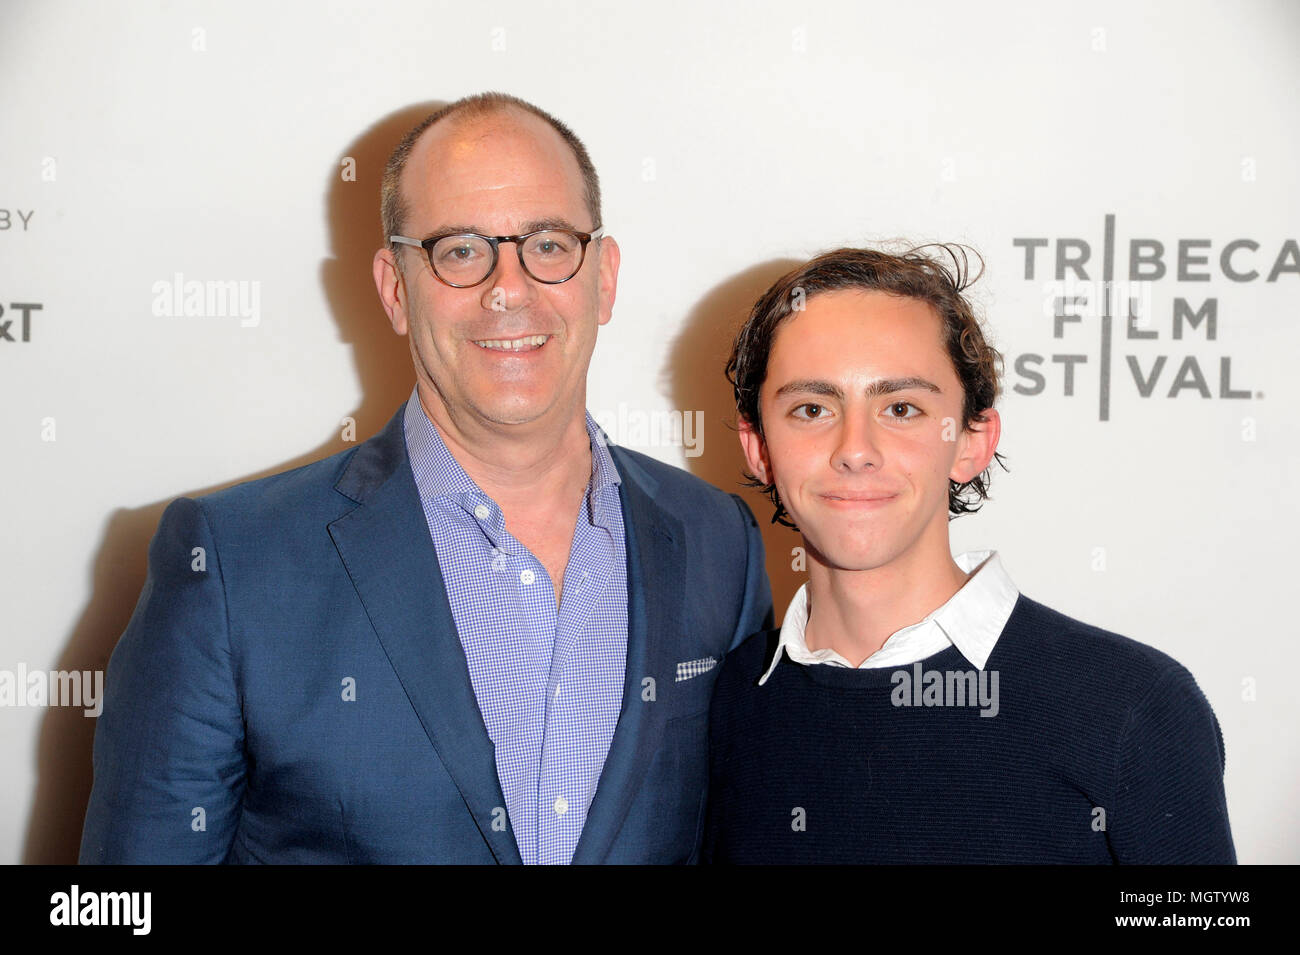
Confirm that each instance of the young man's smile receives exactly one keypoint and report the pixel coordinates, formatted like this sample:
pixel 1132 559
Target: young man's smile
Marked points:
pixel 859 412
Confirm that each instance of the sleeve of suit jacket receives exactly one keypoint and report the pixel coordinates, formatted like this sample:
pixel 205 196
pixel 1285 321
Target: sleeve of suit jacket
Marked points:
pixel 169 744
pixel 756 609
pixel 756 612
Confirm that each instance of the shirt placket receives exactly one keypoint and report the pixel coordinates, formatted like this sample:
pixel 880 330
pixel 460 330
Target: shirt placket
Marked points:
pixel 586 577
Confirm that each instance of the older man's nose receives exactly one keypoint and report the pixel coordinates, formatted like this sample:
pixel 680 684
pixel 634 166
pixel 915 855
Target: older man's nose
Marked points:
pixel 509 286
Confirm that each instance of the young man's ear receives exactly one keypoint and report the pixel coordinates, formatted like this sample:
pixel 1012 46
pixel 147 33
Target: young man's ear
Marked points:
pixel 976 446
pixel 755 451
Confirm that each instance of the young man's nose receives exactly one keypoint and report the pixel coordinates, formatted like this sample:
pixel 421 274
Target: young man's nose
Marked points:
pixel 857 442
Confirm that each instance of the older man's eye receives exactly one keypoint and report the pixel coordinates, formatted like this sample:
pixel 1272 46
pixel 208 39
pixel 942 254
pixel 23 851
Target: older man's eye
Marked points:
pixel 461 252
pixel 550 244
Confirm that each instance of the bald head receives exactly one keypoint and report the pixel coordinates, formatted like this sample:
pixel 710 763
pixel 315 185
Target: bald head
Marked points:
pixel 485 112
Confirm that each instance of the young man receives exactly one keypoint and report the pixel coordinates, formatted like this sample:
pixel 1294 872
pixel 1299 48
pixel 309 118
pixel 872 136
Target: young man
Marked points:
pixel 916 708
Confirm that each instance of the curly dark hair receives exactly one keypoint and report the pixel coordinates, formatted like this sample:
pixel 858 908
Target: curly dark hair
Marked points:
pixel 938 279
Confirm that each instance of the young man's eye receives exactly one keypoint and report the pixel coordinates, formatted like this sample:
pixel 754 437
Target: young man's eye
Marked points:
pixel 810 411
pixel 903 409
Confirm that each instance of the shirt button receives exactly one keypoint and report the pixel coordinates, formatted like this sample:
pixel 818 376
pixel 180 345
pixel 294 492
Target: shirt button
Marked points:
pixel 482 512
pixel 527 577
pixel 561 805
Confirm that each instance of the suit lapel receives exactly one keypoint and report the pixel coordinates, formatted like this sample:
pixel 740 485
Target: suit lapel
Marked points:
pixel 656 569
pixel 385 546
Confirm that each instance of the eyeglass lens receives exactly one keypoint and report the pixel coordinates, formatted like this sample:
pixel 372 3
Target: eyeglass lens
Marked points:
pixel 553 256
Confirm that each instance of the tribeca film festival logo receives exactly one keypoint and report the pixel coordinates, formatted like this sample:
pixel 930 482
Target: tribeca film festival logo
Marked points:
pixel 1167 356
pixel 919 687
pixel 180 298
pixel 83 688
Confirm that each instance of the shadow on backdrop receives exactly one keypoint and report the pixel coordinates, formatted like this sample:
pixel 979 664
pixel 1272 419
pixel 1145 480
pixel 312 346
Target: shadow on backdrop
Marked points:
pixel 695 379
pixel 386 376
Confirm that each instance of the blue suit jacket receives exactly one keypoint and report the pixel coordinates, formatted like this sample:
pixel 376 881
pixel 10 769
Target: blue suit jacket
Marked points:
pixel 291 687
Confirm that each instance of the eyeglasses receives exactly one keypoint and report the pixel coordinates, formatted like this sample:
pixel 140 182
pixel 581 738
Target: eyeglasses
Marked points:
pixel 466 259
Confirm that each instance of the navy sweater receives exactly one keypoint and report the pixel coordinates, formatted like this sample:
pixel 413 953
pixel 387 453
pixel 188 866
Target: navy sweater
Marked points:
pixel 1094 749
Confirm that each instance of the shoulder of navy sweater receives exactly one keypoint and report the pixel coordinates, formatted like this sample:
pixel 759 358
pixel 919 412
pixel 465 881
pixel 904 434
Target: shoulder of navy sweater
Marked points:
pixel 1078 659
pixel 750 659
pixel 736 687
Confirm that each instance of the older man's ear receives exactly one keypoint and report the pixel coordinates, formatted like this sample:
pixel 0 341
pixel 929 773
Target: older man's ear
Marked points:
pixel 610 257
pixel 391 285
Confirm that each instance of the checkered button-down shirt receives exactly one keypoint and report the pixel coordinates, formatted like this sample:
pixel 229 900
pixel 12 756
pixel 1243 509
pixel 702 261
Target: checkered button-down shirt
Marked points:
pixel 548 677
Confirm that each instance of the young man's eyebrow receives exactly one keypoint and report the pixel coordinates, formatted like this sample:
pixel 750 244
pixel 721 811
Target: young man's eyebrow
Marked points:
pixel 877 388
pixel 887 386
pixel 810 386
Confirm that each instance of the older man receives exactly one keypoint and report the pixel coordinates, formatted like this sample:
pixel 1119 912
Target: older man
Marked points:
pixel 483 635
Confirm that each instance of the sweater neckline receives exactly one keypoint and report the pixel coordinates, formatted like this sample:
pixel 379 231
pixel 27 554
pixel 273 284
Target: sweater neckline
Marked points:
pixel 850 678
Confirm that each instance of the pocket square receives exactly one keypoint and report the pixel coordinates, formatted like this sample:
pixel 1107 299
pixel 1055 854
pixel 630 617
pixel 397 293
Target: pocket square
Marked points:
pixel 694 668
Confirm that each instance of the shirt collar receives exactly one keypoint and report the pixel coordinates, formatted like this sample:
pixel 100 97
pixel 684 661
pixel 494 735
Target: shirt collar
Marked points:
pixel 971 620
pixel 438 475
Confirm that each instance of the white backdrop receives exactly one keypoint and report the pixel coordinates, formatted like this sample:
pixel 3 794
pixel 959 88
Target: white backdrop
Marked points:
pixel 218 141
